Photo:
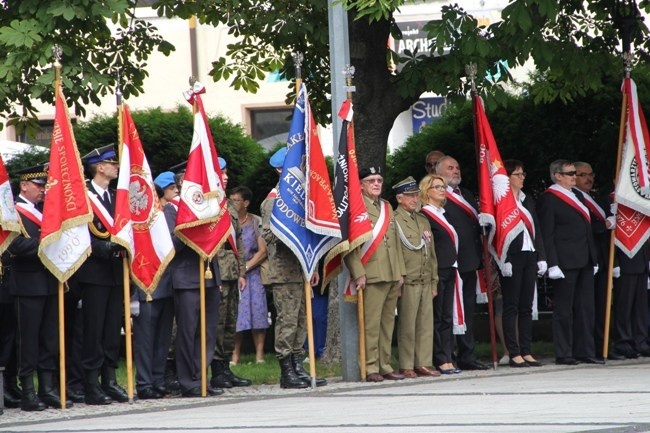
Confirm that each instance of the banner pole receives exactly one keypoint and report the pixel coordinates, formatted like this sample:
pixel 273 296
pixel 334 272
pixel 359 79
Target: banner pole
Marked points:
pixel 362 334
pixel 57 52
pixel 310 334
pixel 627 59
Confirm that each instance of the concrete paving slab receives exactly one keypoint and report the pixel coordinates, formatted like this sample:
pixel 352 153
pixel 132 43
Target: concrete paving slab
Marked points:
pixel 612 398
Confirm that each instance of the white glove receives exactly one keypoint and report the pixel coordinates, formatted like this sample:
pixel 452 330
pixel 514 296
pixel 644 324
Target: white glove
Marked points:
pixel 596 269
pixel 611 222
pixel 135 308
pixel 555 273
pixel 485 219
pixel 616 272
pixel 613 208
pixel 506 270
pixel 542 267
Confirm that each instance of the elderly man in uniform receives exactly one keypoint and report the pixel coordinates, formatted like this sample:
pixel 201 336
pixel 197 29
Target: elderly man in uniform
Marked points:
pixel 288 284
pixel 232 268
pixel 35 289
pixel 379 272
pixel 415 306
pixel 100 278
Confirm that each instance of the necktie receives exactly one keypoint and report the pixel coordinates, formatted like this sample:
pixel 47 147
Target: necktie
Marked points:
pixel 457 191
pixel 107 200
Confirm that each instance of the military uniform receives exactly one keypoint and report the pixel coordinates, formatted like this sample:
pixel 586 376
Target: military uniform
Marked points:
pixel 232 266
pixel 34 288
pixel 383 272
pixel 415 306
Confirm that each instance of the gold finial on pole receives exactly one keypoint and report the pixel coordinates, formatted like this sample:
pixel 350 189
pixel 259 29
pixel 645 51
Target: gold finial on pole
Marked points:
pixel 470 71
pixel 349 71
pixel 192 80
pixel 57 52
pixel 298 58
pixel 118 89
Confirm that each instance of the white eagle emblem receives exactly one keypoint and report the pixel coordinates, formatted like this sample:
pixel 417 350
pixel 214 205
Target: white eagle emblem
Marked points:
pixel 138 199
pixel 500 186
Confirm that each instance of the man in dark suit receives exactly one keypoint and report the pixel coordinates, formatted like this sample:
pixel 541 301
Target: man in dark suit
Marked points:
pixel 101 281
pixel 184 270
pixel 572 262
pixel 461 212
pixel 630 311
pixel 601 223
pixel 8 345
pixel 35 289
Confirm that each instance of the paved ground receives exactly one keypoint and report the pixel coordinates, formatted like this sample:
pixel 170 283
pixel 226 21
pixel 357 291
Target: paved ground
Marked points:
pixel 612 398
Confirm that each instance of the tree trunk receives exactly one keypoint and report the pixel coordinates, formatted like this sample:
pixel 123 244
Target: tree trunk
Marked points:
pixel 376 101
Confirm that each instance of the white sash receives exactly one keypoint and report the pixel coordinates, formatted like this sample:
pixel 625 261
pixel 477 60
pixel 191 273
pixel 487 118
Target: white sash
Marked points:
pixel 570 198
pixel 594 207
pixel 460 201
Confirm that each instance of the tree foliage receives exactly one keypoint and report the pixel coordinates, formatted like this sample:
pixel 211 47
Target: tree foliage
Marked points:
pixel 92 53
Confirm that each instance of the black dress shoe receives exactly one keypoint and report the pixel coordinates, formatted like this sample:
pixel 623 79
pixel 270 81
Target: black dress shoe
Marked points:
pixel 534 363
pixel 590 360
pixel 116 392
pixel 472 365
pixel 518 364
pixel 566 361
pixel 161 389
pixel 613 356
pixel 221 380
pixel 213 391
pixel 75 396
pixel 631 354
pixel 644 352
pixel 149 394
pixel 449 370
pixel 196 391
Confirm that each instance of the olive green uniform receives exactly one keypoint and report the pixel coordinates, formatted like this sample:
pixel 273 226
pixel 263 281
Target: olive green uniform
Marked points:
pixel 415 306
pixel 383 271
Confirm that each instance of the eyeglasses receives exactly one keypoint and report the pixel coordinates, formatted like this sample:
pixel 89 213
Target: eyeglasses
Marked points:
pixel 522 174
pixel 437 187
pixel 430 165
pixel 567 173
pixel 374 180
pixel 237 199
pixel 592 174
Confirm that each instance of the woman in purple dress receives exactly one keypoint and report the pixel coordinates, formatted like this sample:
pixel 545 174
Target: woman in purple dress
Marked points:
pixel 253 311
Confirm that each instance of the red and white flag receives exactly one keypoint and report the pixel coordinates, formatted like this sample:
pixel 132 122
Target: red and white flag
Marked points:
pixel 633 187
pixel 203 221
pixel 350 208
pixel 497 202
pixel 9 219
pixel 65 238
pixel 139 225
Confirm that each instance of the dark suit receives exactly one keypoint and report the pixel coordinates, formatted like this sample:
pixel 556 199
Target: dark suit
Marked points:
pixel 469 261
pixel 569 244
pixel 519 289
pixel 443 304
pixel 34 288
pixel 8 324
pixel 152 333
pixel 630 328
pixel 184 270
pixel 100 278
pixel 601 240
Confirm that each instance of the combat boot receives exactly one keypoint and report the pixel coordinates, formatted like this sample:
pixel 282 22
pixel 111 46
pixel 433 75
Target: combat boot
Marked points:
pixel 235 380
pixel 12 392
pixel 47 392
pixel 219 377
pixel 289 379
pixel 296 361
pixel 29 402
pixel 93 393
pixel 111 387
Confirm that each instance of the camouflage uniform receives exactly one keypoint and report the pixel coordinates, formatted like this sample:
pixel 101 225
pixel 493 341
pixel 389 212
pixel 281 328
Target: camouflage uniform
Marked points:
pixel 231 268
pixel 288 285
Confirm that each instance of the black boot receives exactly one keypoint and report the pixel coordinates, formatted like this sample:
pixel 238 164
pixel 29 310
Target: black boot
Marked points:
pixel 47 393
pixel 29 401
pixel 75 395
pixel 111 387
pixel 219 377
pixel 235 380
pixel 296 361
pixel 93 393
pixel 289 379
pixel 11 391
